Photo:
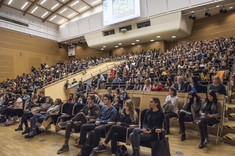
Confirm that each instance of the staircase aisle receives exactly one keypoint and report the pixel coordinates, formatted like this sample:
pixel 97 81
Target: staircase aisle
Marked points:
pixel 229 125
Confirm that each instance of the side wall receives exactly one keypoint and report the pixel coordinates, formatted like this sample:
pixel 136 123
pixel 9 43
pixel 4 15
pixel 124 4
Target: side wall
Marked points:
pixel 220 25
pixel 83 51
pixel 139 48
pixel 19 52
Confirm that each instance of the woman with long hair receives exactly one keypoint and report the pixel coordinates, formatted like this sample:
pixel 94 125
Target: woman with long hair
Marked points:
pixel 209 115
pixel 127 117
pixel 153 119
pixel 190 112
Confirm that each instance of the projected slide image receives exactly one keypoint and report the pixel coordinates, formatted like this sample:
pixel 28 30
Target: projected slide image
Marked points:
pixel 123 8
pixel 115 11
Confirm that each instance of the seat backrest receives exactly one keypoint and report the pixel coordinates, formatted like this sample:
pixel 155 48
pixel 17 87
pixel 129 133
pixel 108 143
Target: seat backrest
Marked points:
pixel 67 108
pixel 77 108
pixel 180 105
pixel 142 117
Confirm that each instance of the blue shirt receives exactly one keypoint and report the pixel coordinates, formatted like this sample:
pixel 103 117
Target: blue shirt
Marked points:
pixel 107 115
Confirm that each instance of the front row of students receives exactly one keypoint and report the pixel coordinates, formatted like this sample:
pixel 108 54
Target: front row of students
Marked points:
pixel 94 119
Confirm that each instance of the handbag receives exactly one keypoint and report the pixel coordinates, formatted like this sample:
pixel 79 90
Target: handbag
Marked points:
pixel 122 151
pixel 168 106
pixel 160 147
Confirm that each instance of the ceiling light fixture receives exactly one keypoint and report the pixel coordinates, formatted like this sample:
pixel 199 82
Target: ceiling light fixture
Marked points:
pixel 231 7
pixel 116 46
pixel 132 43
pixel 120 43
pixel 71 15
pixel 173 36
pixel 102 49
pixel 74 3
pixel 223 10
pixel 63 10
pixel 34 9
pixel 192 16
pixel 137 40
pixel 53 18
pixel 82 8
pixel 151 40
pixel 54 6
pixel 43 2
pixel 24 5
pixel 9 3
pixel 207 13
pixel 61 21
pixel 44 14
pixel 104 46
pixel 158 37
pixel 95 2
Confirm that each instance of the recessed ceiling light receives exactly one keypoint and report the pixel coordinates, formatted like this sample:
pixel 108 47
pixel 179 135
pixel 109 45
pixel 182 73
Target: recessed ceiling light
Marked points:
pixel 119 43
pixel 63 10
pixel 61 21
pixel 151 40
pixel 104 46
pixel 132 43
pixel 95 2
pixel 54 6
pixel 230 7
pixel 158 37
pixel 43 2
pixel 173 36
pixel 102 49
pixel 82 8
pixel 24 5
pixel 53 18
pixel 217 6
pixel 34 9
pixel 116 46
pixel 71 15
pixel 44 14
pixel 137 40
pixel 74 3
pixel 9 3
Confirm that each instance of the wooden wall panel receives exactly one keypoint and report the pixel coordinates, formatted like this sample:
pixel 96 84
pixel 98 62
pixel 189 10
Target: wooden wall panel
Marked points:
pixel 220 25
pixel 18 52
pixel 83 51
pixel 139 48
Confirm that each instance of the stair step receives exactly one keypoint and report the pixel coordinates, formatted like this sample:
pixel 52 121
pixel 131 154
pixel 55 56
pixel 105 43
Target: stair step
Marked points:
pixel 230 124
pixel 231 116
pixel 229 139
pixel 231 108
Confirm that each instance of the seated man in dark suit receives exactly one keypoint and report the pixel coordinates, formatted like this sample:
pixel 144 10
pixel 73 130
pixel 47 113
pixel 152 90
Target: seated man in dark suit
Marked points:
pixel 180 85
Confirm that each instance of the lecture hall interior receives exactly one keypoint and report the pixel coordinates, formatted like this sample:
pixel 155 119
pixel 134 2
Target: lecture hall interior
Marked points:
pixel 117 77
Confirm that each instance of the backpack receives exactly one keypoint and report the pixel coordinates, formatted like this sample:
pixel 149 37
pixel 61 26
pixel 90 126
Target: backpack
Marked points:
pixel 122 151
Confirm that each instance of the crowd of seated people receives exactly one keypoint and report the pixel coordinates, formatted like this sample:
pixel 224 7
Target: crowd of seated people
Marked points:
pixel 48 74
pixel 182 69
pixel 191 66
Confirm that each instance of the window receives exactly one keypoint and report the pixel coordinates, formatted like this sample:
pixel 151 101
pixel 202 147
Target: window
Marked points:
pixel 143 24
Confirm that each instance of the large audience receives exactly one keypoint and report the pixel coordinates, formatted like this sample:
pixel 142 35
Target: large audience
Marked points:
pixel 199 67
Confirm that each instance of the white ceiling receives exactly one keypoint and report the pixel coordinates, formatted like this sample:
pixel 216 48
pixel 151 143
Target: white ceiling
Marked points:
pixel 55 11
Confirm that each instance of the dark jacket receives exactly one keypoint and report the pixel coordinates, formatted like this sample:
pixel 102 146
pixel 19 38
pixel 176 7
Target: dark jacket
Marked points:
pixel 195 108
pixel 220 89
pixel 215 109
pixel 125 120
pixel 197 86
pixel 183 87
pixel 94 111
pixel 153 120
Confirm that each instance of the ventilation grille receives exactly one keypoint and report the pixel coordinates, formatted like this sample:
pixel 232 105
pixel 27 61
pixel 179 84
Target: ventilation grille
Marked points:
pixel 14 21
